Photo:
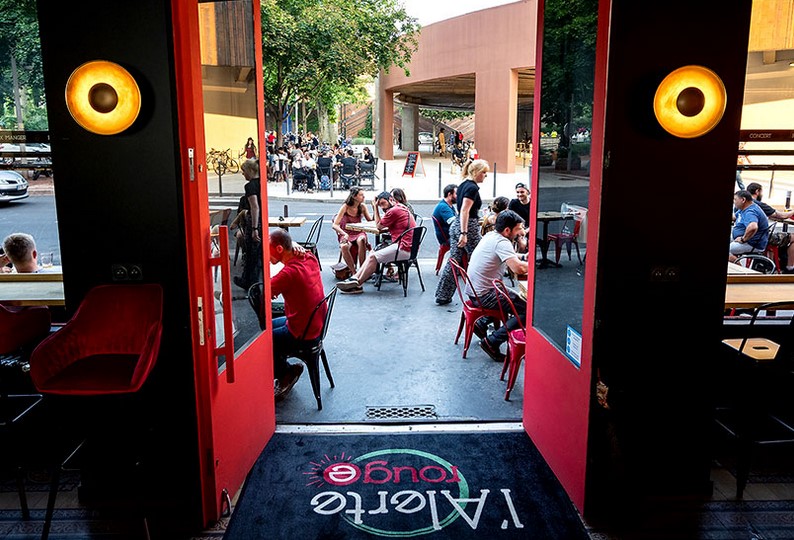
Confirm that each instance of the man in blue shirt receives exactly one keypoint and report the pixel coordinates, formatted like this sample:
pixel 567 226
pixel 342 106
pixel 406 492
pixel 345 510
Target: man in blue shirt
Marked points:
pixel 750 230
pixel 444 213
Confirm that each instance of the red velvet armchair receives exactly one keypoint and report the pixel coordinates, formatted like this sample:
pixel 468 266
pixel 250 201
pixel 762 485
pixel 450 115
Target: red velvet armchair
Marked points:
pixel 109 346
pixel 22 327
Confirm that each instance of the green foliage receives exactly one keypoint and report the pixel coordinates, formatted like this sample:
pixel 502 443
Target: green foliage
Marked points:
pixel 34 115
pixel 568 62
pixel 19 36
pixel 366 131
pixel 320 50
pixel 443 116
pixel 580 149
pixel 362 140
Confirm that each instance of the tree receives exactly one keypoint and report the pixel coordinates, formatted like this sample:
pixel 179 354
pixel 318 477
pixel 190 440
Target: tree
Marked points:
pixel 569 41
pixel 311 48
pixel 20 52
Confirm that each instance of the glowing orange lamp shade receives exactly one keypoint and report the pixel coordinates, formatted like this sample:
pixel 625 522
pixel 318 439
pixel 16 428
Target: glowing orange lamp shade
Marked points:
pixel 690 101
pixel 103 97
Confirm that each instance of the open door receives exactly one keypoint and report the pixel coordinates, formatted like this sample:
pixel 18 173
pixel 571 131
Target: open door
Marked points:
pixel 219 89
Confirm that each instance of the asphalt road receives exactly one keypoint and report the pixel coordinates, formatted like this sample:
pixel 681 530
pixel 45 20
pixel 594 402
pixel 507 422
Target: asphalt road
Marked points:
pixel 36 215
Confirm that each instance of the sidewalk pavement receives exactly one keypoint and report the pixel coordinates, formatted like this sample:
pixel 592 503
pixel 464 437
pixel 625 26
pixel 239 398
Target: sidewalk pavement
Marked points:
pixel 419 189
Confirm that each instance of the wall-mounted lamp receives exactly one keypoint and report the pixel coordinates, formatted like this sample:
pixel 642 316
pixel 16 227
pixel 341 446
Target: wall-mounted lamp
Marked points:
pixel 690 101
pixel 103 97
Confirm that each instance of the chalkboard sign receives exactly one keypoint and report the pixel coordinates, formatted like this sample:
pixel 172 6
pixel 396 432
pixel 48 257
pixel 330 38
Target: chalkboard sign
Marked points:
pixel 413 163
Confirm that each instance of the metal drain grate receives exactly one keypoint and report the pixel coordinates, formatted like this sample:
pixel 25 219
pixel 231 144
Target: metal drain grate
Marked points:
pixel 413 412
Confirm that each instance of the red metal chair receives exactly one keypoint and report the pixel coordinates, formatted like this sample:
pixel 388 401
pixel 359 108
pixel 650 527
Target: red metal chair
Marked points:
pixel 567 237
pixel 471 312
pixel 516 339
pixel 442 248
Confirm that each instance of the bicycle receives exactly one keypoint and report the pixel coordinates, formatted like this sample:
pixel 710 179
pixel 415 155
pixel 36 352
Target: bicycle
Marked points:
pixel 222 162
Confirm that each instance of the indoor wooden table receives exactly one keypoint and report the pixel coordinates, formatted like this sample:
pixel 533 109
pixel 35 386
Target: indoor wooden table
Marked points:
pixel 32 293
pixel 751 292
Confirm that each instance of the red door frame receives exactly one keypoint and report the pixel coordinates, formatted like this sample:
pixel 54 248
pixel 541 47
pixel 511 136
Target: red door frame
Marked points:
pixel 556 393
pixel 235 420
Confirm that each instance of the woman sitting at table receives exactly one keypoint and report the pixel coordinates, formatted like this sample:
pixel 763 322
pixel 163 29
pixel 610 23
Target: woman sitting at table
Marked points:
pixel 499 204
pixel 352 243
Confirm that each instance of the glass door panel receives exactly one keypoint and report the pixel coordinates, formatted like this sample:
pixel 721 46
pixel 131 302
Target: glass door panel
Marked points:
pixel 228 71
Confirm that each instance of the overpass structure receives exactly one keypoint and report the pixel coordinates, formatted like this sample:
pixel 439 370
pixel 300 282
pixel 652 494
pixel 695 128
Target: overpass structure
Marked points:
pixel 483 62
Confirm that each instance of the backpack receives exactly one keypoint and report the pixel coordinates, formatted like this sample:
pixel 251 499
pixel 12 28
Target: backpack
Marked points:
pixel 325 182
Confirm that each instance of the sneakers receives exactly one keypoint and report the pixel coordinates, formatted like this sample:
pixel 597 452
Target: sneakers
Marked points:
pixel 480 328
pixel 491 351
pixel 284 385
pixel 357 290
pixel 348 285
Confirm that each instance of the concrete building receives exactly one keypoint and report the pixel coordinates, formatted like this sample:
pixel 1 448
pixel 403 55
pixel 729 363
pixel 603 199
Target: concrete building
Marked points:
pixel 482 61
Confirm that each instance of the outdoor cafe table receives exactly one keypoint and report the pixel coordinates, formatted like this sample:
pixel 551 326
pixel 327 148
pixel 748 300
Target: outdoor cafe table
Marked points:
pixel 284 222
pixel 367 227
pixel 32 290
pixel 545 218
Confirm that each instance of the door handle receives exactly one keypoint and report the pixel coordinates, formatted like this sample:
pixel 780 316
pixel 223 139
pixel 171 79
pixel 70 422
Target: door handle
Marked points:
pixel 222 260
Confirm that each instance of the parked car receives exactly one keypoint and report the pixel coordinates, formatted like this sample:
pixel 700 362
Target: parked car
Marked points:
pixel 13 186
pixel 425 137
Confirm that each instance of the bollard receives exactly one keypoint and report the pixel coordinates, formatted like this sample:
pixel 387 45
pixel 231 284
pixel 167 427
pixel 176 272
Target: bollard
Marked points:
pixel 287 180
pixel 439 179
pixel 286 210
pixel 220 176
pixel 494 179
pixel 384 176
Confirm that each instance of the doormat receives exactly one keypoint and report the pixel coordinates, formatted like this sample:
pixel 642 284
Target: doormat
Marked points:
pixel 461 485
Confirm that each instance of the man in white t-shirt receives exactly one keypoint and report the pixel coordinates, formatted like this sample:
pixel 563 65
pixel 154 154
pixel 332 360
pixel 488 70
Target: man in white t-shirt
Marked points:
pixel 488 261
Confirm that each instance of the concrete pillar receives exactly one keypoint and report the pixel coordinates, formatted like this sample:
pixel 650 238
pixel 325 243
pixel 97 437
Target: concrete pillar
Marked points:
pixel 385 131
pixel 410 117
pixel 496 110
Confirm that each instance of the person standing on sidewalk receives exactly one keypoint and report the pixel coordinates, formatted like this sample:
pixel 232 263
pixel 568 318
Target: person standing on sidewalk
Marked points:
pixel 464 233
pixel 442 143
pixel 253 252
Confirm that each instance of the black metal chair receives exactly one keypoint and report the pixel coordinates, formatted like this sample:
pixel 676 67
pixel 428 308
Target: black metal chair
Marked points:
pixel 255 296
pixel 757 262
pixel 404 265
pixel 310 244
pixel 366 175
pixel 312 350
pixel 758 412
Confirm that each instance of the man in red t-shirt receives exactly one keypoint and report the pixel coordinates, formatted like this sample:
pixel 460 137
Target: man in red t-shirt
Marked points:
pixel 396 219
pixel 301 285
